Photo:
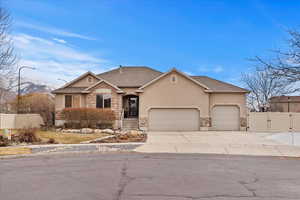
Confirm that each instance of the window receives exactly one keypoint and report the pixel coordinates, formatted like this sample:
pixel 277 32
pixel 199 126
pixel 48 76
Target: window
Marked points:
pixel 103 101
pixel 68 101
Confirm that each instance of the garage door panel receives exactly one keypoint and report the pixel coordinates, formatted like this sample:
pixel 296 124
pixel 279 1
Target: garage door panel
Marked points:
pixel 174 119
pixel 225 118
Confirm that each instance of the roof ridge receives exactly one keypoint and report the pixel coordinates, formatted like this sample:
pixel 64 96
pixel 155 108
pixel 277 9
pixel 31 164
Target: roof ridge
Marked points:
pixel 133 67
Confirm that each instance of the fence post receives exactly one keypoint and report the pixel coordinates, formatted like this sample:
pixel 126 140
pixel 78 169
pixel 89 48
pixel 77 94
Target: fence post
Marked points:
pixel 291 122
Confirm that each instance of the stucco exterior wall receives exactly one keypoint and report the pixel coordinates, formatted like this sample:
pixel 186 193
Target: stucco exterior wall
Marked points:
pixel 183 93
pixel 84 82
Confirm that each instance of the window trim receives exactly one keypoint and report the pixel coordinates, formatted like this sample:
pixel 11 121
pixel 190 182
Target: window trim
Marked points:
pixel 103 100
pixel 71 100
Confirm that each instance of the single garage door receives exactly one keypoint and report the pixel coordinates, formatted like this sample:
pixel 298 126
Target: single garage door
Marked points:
pixel 226 118
pixel 174 119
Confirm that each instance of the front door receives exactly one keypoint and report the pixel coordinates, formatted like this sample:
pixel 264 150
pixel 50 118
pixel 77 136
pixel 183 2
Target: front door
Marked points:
pixel 131 109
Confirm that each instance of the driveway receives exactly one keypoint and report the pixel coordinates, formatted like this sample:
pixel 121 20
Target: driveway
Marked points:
pixel 216 142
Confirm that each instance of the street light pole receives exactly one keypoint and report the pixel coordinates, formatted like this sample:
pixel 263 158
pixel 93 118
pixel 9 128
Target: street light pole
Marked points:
pixel 19 85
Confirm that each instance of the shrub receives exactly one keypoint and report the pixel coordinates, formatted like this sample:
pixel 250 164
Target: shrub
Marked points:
pixel 3 141
pixel 51 141
pixel 88 117
pixel 27 135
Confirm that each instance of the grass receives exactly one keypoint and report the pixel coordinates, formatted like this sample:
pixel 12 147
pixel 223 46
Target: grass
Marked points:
pixel 5 151
pixel 68 138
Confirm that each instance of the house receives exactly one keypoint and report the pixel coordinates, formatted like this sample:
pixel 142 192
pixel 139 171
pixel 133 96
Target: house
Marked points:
pixel 284 104
pixel 148 99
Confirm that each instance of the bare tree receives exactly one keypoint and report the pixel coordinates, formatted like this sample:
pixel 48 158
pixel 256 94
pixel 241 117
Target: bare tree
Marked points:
pixel 263 85
pixel 286 64
pixel 7 56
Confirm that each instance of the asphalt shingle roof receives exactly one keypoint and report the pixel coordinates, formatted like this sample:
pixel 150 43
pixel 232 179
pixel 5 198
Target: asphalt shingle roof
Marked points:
pixel 130 76
pixel 137 76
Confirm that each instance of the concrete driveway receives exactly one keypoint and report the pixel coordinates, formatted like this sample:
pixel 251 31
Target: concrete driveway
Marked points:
pixel 221 142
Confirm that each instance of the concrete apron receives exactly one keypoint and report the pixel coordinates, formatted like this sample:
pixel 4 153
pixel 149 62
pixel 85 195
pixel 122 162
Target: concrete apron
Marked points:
pixel 213 142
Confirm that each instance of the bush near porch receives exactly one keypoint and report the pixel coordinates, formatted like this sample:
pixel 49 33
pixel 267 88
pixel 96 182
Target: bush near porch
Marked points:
pixel 88 118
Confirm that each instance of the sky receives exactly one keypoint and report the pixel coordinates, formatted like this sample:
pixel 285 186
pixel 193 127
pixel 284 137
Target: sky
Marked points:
pixel 63 39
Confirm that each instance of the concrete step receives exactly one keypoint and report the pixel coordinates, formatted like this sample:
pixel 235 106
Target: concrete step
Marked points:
pixel 130 124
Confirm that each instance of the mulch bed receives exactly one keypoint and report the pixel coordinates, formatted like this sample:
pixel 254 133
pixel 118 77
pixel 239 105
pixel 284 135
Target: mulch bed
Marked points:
pixel 125 138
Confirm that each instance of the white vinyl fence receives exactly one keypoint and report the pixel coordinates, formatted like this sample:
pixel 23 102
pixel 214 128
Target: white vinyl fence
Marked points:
pixel 17 121
pixel 273 121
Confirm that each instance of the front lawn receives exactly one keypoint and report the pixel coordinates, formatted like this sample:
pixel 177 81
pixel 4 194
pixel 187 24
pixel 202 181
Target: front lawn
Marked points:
pixel 67 138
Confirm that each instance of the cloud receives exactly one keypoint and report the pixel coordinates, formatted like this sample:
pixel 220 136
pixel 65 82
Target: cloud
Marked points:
pixel 218 69
pixel 54 60
pixel 60 40
pixel 215 69
pixel 52 30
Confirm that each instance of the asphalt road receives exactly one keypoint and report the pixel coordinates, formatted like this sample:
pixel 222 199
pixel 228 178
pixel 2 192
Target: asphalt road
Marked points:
pixel 149 177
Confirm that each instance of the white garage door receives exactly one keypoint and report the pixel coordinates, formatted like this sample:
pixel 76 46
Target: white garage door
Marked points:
pixel 226 118
pixel 174 119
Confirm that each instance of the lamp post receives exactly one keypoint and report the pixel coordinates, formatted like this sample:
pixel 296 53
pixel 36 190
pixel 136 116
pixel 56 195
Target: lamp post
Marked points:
pixel 19 85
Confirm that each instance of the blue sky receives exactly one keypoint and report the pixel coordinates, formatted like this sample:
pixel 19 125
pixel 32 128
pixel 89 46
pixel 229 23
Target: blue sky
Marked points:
pixel 65 38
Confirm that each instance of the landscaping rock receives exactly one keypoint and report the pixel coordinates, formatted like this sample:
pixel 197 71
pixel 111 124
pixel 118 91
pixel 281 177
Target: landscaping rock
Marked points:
pixel 135 132
pixel 97 130
pixel 71 131
pixel 108 131
pixel 87 130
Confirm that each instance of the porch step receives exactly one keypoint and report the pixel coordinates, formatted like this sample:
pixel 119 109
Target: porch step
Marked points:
pixel 131 124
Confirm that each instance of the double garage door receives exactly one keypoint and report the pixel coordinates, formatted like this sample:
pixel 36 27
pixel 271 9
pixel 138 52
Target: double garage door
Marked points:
pixel 174 119
pixel 188 119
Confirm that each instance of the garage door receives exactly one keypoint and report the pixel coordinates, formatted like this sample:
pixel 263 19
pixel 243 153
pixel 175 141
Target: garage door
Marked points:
pixel 174 119
pixel 226 118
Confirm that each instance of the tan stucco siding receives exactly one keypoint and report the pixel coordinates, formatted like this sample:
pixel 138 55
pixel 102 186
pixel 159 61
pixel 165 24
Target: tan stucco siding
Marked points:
pixel 84 82
pixel 183 93
pixel 238 99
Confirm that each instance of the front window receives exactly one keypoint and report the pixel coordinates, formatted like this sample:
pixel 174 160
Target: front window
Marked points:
pixel 68 101
pixel 103 101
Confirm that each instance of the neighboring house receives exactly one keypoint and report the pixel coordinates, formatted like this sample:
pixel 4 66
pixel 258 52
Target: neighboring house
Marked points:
pixel 285 104
pixel 151 100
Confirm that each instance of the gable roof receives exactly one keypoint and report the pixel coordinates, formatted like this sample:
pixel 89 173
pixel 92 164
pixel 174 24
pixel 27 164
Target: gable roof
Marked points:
pixel 102 81
pixel 219 86
pixel 81 77
pixel 179 72
pixel 142 76
pixel 130 76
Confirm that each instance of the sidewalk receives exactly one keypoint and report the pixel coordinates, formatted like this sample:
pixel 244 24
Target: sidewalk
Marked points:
pixel 234 143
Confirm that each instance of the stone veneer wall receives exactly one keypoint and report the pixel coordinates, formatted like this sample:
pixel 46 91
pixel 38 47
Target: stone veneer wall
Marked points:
pixel 116 101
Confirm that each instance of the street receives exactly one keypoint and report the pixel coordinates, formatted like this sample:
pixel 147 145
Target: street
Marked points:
pixel 133 176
